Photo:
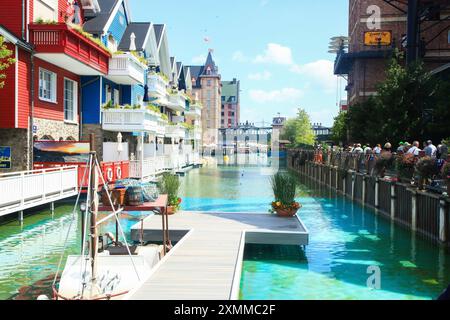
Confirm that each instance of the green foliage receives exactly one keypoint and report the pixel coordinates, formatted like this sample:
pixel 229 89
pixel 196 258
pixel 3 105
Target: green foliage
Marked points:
pixel 284 187
pixel 164 117
pixel 339 130
pixel 108 105
pixel 48 21
pixel 90 37
pixel 298 130
pixel 170 185
pixel 399 111
pixel 5 61
pixel 154 108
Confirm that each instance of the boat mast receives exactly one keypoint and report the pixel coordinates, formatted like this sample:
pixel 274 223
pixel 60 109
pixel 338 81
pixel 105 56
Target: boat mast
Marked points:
pixel 94 209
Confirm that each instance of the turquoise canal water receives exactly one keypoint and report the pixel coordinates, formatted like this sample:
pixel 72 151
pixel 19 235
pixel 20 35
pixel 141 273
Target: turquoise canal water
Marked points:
pixel 345 240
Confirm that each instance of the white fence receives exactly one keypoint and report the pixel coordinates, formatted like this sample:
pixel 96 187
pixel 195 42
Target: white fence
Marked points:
pixel 27 189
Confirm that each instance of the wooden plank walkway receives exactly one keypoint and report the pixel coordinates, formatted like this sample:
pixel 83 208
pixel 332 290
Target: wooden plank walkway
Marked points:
pixel 207 260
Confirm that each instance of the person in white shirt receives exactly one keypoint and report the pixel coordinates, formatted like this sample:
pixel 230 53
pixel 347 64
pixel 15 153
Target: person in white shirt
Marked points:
pixel 377 149
pixel 414 149
pixel 430 149
pixel 358 149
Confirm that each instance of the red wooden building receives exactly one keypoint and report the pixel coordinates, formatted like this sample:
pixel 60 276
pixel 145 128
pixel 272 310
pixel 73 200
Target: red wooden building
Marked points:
pixel 41 96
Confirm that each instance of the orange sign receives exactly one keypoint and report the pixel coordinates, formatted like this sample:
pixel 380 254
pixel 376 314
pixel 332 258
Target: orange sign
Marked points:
pixel 378 38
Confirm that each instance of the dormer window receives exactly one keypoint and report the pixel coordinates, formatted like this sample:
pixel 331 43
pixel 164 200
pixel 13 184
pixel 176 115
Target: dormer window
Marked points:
pixel 208 70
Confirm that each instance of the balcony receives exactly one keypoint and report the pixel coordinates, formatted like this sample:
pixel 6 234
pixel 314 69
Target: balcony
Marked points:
pixel 175 131
pixel 130 120
pixel 194 111
pixel 177 101
pixel 157 88
pixel 126 69
pixel 66 48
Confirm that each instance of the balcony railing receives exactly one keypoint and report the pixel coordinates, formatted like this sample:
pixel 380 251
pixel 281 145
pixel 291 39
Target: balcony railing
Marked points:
pixel 177 102
pixel 79 54
pixel 130 120
pixel 157 86
pixel 126 69
pixel 175 131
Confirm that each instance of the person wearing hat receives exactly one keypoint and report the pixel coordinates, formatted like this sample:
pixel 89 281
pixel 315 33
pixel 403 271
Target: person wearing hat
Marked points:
pixel 401 147
pixel 388 147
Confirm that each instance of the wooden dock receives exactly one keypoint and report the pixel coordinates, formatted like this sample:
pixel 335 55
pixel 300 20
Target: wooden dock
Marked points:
pixel 207 260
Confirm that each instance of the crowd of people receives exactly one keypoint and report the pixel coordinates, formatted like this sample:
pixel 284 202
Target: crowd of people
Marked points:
pixel 428 149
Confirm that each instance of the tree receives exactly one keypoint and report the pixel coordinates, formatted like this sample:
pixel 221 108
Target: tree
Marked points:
pixel 411 104
pixel 5 61
pixel 340 127
pixel 298 130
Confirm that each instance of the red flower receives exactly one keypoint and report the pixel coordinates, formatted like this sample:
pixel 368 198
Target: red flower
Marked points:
pixel 179 200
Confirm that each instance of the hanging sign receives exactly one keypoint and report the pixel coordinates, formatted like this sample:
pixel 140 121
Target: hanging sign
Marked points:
pixel 378 38
pixel 5 157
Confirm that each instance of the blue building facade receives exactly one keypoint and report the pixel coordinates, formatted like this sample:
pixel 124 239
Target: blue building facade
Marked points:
pixel 98 90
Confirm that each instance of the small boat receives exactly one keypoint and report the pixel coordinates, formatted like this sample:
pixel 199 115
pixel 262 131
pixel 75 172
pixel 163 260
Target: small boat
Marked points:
pixel 106 268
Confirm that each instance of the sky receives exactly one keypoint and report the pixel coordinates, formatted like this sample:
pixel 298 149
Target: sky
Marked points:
pixel 278 49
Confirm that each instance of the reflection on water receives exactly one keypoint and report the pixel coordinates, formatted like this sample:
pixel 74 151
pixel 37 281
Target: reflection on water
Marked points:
pixel 346 239
pixel 29 254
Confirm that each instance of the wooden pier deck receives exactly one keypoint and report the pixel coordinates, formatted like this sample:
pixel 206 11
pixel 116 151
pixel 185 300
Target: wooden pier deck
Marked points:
pixel 206 262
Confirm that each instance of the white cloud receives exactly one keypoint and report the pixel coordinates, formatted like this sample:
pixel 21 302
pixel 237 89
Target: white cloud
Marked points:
pixel 282 95
pixel 200 59
pixel 265 75
pixel 238 56
pixel 319 72
pixel 277 54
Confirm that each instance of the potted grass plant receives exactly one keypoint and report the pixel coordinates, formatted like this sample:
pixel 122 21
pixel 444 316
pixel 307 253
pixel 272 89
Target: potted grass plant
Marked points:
pixel 170 185
pixel 284 188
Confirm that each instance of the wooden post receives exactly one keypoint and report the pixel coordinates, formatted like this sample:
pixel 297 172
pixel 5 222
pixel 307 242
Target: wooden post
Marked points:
pixel 393 201
pixel 363 196
pixel 353 185
pixel 21 216
pixel 52 208
pixel 337 178
pixel 377 193
pixel 413 210
pixel 344 184
pixel 442 220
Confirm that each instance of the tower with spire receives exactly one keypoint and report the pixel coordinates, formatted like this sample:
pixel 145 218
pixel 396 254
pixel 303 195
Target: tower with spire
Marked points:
pixel 206 83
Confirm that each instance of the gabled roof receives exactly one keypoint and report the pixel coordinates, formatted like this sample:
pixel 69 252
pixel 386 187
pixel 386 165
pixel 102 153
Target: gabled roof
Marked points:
pixel 172 62
pixel 196 73
pixel 141 30
pixel 159 30
pixel 179 68
pixel 98 23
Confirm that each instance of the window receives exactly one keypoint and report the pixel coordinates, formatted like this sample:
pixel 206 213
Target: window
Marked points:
pixel 70 100
pixel 47 85
pixel 208 83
